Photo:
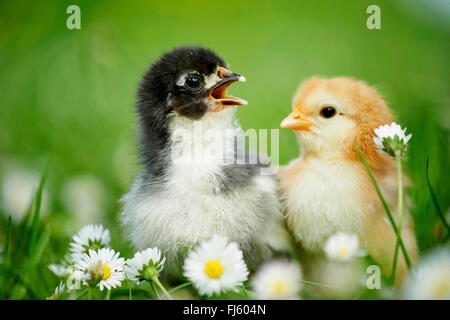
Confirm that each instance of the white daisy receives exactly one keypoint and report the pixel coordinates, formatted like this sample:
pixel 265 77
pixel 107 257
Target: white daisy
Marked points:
pixel 90 237
pixel 430 280
pixel 73 276
pixel 58 291
pixel 76 279
pixel 342 246
pixel 145 265
pixel 216 266
pixel 62 269
pixel 104 268
pixel 391 138
pixel 277 280
pixel 343 279
pixel 59 270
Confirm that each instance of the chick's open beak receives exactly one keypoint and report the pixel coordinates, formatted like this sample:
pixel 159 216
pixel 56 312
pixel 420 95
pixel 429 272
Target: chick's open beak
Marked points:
pixel 296 121
pixel 218 91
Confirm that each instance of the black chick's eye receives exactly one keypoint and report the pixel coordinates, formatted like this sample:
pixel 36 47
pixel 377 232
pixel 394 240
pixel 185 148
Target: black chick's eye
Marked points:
pixel 328 112
pixel 193 82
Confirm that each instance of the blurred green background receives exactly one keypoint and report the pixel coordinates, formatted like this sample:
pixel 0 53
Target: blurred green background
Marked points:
pixel 70 93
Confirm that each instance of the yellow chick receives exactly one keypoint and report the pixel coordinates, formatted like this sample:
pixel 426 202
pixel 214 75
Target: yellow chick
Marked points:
pixel 327 189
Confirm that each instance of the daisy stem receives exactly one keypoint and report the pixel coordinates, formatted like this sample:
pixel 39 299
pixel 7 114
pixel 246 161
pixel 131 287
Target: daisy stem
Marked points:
pixel 89 293
pixel 400 189
pixel 130 296
pixel 159 284
pixel 400 210
pixel 108 295
pixel 386 207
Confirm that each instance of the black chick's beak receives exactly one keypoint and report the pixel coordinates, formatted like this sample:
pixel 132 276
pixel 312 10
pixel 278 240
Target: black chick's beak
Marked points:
pixel 218 91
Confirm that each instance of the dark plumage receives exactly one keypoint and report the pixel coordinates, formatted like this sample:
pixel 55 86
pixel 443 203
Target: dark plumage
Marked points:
pixel 173 205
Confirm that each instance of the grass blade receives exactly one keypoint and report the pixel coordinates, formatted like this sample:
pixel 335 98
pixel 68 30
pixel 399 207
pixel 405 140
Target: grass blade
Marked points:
pixel 21 287
pixel 314 283
pixel 40 246
pixel 7 242
pixel 435 200
pixel 386 207
pixel 154 290
pixel 37 208
pixel 23 231
pixel 243 291
pixel 394 263
pixel 5 262
pixel 180 286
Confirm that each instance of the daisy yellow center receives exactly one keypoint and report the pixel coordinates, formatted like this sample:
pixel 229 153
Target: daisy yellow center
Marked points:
pixel 441 289
pixel 213 269
pixel 279 287
pixel 342 251
pixel 106 272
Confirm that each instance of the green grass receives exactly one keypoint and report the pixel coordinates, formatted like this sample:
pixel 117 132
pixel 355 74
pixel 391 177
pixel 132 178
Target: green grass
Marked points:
pixel 70 95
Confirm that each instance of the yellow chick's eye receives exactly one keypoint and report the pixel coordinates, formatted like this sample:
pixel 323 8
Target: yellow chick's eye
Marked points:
pixel 328 112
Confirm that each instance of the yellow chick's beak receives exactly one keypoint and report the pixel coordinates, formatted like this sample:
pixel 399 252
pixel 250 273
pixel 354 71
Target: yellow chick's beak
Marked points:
pixel 296 121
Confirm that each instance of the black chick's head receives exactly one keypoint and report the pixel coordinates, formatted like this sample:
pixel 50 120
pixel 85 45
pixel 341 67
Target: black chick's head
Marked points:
pixel 188 80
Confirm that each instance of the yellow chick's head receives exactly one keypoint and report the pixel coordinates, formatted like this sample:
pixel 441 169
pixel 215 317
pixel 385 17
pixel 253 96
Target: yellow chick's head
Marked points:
pixel 328 114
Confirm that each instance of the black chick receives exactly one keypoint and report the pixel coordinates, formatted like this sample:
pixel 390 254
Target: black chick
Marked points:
pixel 198 180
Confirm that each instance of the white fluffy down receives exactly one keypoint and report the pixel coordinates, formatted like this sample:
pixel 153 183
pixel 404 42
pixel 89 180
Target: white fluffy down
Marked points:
pixel 320 211
pixel 190 208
